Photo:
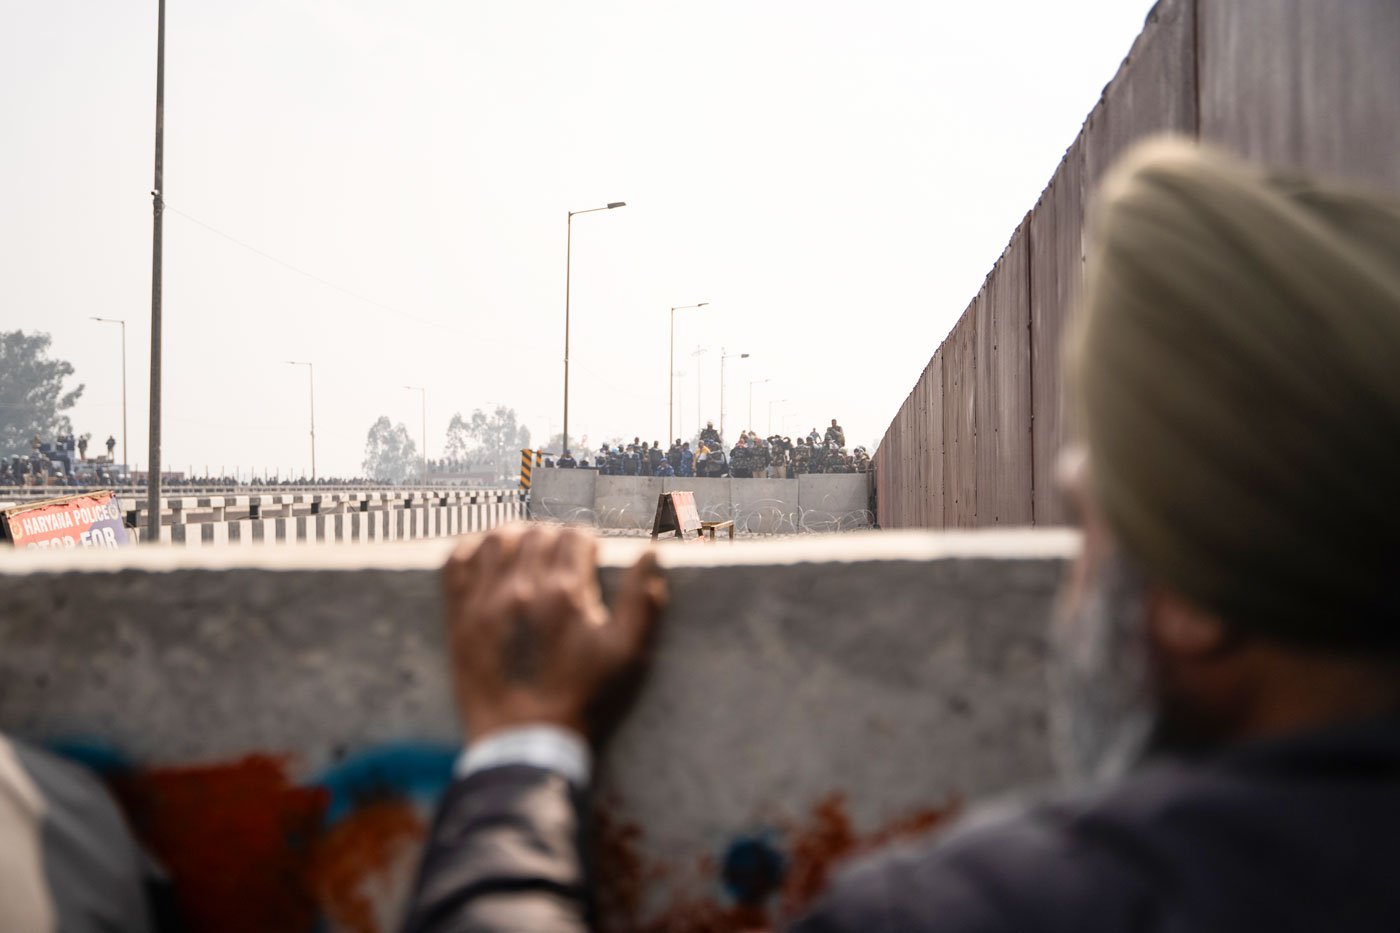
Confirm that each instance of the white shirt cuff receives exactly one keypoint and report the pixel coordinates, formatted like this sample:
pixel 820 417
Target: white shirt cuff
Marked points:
pixel 552 748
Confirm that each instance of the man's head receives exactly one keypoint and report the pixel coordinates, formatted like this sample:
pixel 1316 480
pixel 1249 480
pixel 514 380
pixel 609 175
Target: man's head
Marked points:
pixel 566 452
pixel 833 422
pixel 1234 386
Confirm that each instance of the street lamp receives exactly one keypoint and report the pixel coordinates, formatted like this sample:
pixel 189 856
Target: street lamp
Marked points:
pixel 771 403
pixel 311 384
pixel 568 271
pixel 756 382
pixel 108 320
pixel 671 398
pixel 425 428
pixel 722 357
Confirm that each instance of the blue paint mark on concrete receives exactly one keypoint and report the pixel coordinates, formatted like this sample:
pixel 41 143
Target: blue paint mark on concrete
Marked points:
pixel 416 771
pixel 752 869
pixel 97 755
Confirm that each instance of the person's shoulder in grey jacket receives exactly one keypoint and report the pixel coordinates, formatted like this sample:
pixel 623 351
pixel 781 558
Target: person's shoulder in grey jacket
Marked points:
pixel 67 860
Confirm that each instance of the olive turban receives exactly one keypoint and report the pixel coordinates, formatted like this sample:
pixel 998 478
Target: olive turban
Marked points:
pixel 1236 378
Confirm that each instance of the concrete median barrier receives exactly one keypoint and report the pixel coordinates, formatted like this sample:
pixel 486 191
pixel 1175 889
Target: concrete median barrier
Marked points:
pixel 765 506
pixel 871 683
pixel 627 502
pixel 563 495
pixel 837 502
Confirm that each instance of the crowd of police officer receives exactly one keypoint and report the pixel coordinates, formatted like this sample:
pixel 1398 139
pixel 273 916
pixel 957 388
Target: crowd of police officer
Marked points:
pixel 63 462
pixel 752 456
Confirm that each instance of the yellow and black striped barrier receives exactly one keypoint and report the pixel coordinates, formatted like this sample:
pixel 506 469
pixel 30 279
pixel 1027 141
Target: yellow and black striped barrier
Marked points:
pixel 530 461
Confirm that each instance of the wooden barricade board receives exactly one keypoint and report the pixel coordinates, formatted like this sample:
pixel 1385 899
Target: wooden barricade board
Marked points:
pixel 676 512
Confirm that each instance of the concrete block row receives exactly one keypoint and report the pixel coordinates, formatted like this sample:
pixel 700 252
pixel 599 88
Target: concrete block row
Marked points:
pixel 758 506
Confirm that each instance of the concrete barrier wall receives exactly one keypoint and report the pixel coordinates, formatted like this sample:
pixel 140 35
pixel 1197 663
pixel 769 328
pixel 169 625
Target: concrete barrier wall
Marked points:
pixel 285 717
pixel 825 502
pixel 563 495
pixel 764 506
pixel 833 503
pixel 1294 83
pixel 626 501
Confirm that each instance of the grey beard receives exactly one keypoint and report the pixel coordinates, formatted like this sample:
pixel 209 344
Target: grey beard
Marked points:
pixel 1102 714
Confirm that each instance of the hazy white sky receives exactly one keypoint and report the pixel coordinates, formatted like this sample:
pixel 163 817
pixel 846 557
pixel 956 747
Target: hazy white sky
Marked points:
pixel 835 178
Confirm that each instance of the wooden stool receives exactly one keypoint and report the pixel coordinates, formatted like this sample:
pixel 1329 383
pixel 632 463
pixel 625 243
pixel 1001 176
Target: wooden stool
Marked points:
pixel 709 528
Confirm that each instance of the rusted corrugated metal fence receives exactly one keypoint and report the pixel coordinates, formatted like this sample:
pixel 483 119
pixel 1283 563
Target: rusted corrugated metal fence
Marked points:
pixel 1290 82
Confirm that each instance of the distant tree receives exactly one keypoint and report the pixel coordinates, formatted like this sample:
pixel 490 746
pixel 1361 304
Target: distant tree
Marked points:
pixel 459 445
pixel 32 400
pixel 390 454
pixel 495 439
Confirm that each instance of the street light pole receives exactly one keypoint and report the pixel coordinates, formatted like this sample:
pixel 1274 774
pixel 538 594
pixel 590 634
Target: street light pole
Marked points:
pixel 722 357
pixel 108 320
pixel 568 275
pixel 424 435
pixel 771 403
pixel 756 382
pixel 671 399
pixel 157 212
pixel 311 382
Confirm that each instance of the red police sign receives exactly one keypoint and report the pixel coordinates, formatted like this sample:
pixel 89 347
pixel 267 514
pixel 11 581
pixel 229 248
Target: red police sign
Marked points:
pixel 87 520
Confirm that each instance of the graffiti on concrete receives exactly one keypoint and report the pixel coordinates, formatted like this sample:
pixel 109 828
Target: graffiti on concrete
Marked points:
pixel 247 846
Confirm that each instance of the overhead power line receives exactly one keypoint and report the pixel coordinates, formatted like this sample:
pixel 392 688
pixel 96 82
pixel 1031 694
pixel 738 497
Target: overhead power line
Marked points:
pixel 310 275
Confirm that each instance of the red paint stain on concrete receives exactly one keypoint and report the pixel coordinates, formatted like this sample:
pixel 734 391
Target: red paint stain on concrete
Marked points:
pixel 235 838
pixel 827 838
pixel 362 849
pixel 623 877
pixel 815 848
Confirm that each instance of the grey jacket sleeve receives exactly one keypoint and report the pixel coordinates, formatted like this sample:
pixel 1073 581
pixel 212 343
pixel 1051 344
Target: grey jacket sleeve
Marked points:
pixel 505 853
pixel 90 872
